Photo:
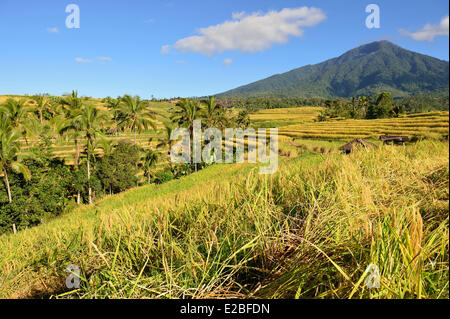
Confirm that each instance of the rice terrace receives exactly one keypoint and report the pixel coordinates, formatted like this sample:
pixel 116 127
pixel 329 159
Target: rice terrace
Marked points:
pixel 93 205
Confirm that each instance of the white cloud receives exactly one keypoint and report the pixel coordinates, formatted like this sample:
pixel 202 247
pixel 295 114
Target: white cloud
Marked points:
pixel 83 60
pixel 151 20
pixel 227 62
pixel 180 61
pixel 238 15
pixel 165 49
pixel 429 31
pixel 253 32
pixel 104 58
pixel 52 30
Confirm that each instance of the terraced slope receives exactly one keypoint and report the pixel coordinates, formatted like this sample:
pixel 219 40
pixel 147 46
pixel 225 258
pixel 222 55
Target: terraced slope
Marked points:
pixel 310 230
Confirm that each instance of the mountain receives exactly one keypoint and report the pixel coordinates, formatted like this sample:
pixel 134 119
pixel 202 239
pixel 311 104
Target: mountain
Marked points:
pixel 368 69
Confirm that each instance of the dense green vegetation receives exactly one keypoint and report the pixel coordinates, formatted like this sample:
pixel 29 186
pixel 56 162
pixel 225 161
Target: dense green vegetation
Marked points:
pixel 377 107
pixel 366 70
pixel 255 103
pixel 38 184
pixel 421 103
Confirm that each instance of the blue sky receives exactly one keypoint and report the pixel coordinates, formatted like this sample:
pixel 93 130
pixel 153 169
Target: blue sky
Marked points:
pixel 156 47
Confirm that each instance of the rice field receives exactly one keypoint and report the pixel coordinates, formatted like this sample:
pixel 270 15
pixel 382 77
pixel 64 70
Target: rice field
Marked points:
pixel 299 129
pixel 308 231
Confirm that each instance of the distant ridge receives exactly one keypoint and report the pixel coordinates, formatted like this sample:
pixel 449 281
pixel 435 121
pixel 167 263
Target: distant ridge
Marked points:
pixel 366 70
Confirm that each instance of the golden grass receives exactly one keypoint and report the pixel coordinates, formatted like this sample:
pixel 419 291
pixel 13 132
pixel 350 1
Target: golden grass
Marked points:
pixel 310 230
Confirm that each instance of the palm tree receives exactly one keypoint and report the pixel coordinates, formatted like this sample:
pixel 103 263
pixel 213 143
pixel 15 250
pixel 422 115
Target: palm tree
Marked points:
pixel 211 112
pixel 114 106
pixel 188 111
pixel 90 120
pixel 67 125
pixel 33 128
pixel 11 157
pixel 149 160
pixel 5 122
pixel 164 141
pixel 364 102
pixel 107 146
pixel 69 128
pixel 242 119
pixel 42 104
pixel 71 103
pixel 354 110
pixel 16 112
pixel 135 115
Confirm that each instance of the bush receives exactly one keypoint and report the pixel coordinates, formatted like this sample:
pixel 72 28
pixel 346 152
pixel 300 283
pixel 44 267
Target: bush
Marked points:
pixel 117 172
pixel 163 177
pixel 46 194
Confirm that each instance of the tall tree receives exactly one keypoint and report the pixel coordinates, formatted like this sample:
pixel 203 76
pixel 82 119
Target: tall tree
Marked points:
pixel 41 104
pixel 186 113
pixel 135 115
pixel 242 119
pixel 114 106
pixel 90 121
pixel 71 103
pixel 11 157
pixel 16 112
pixel 382 108
pixel 211 111
pixel 67 125
pixel 148 161
pixel 107 146
pixel 164 141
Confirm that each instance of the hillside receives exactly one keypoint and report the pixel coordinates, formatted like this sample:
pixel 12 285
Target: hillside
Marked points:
pixel 366 70
pixel 228 232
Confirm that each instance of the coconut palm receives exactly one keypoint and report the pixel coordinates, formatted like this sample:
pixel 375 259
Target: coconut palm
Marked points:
pixel 186 113
pixel 41 104
pixel 211 112
pixel 11 157
pixel 107 146
pixel 135 115
pixel 148 161
pixel 34 129
pixel 242 120
pixel 5 122
pixel 66 124
pixel 71 103
pixel 69 128
pixel 16 111
pixel 90 121
pixel 164 141
pixel 114 106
